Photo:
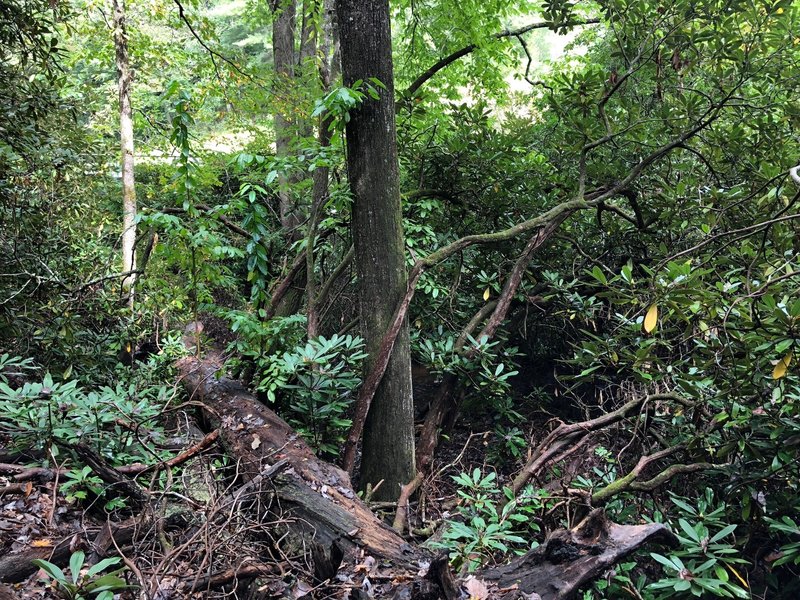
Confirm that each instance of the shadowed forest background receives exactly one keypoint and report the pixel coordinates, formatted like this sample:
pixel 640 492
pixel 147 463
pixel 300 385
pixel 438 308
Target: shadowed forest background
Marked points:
pixel 408 299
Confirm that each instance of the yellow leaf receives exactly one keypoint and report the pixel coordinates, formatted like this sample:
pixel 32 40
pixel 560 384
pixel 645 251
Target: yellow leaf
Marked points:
pixel 651 319
pixel 739 577
pixel 486 294
pixel 783 364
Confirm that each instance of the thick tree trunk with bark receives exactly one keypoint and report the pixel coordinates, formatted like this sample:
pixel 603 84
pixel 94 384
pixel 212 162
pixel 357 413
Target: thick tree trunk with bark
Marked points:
pixel 124 78
pixel 366 46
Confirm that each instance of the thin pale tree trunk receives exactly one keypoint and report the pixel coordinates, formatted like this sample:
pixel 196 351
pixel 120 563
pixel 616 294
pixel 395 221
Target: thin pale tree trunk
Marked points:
pixel 124 79
pixel 321 175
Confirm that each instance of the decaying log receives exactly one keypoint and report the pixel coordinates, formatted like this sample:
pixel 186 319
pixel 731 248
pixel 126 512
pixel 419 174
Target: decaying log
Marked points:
pixel 316 496
pixel 16 567
pixel 571 558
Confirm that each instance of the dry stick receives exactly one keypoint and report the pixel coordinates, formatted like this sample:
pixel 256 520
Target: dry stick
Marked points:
pixel 138 468
pixel 400 516
pixel 212 53
pixel 245 571
pixel 131 565
pixel 565 434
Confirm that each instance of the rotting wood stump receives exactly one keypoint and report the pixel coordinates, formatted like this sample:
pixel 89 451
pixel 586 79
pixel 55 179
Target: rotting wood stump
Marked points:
pixel 569 559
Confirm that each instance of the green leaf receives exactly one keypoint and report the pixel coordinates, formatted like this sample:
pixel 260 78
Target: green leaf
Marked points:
pixel 724 532
pixel 75 564
pixel 598 274
pixel 684 506
pixel 689 530
pixel 665 561
pixel 51 569
pixel 103 565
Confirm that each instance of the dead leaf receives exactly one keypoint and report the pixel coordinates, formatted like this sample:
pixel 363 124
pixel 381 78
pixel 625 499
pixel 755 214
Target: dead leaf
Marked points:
pixel 476 589
pixel 256 442
pixel 782 366
pixel 651 319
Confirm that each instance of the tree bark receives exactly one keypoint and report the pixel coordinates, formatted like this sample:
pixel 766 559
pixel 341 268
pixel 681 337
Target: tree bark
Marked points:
pixel 366 46
pixel 283 42
pixel 124 78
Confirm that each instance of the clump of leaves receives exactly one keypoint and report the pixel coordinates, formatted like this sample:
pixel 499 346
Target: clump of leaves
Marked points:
pixel 14 366
pixel 790 553
pixel 324 379
pixel 706 564
pixel 485 529
pixel 41 414
pixel 91 584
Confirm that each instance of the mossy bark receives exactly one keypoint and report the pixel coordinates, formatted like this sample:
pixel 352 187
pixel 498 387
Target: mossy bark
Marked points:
pixel 366 47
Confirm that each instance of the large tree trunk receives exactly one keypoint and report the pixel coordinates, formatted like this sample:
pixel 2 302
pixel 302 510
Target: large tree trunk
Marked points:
pixel 124 78
pixel 366 46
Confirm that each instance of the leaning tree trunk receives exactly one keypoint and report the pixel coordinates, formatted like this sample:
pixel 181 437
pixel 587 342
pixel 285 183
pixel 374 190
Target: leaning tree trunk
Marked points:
pixel 124 78
pixel 366 46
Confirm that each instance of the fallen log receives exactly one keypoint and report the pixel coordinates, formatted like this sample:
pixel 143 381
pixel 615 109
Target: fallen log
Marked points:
pixel 316 495
pixel 16 567
pixel 318 501
pixel 569 559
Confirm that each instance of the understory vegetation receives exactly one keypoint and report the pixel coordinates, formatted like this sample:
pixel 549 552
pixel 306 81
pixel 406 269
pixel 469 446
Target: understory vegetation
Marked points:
pixel 599 225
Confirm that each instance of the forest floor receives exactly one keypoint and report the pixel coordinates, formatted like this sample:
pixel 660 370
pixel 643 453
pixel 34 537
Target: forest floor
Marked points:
pixel 189 540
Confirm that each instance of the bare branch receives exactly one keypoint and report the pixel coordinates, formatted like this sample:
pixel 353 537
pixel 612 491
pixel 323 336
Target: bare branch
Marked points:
pixel 453 57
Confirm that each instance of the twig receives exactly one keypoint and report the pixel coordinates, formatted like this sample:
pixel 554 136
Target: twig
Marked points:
pixel 213 53
pixel 139 468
